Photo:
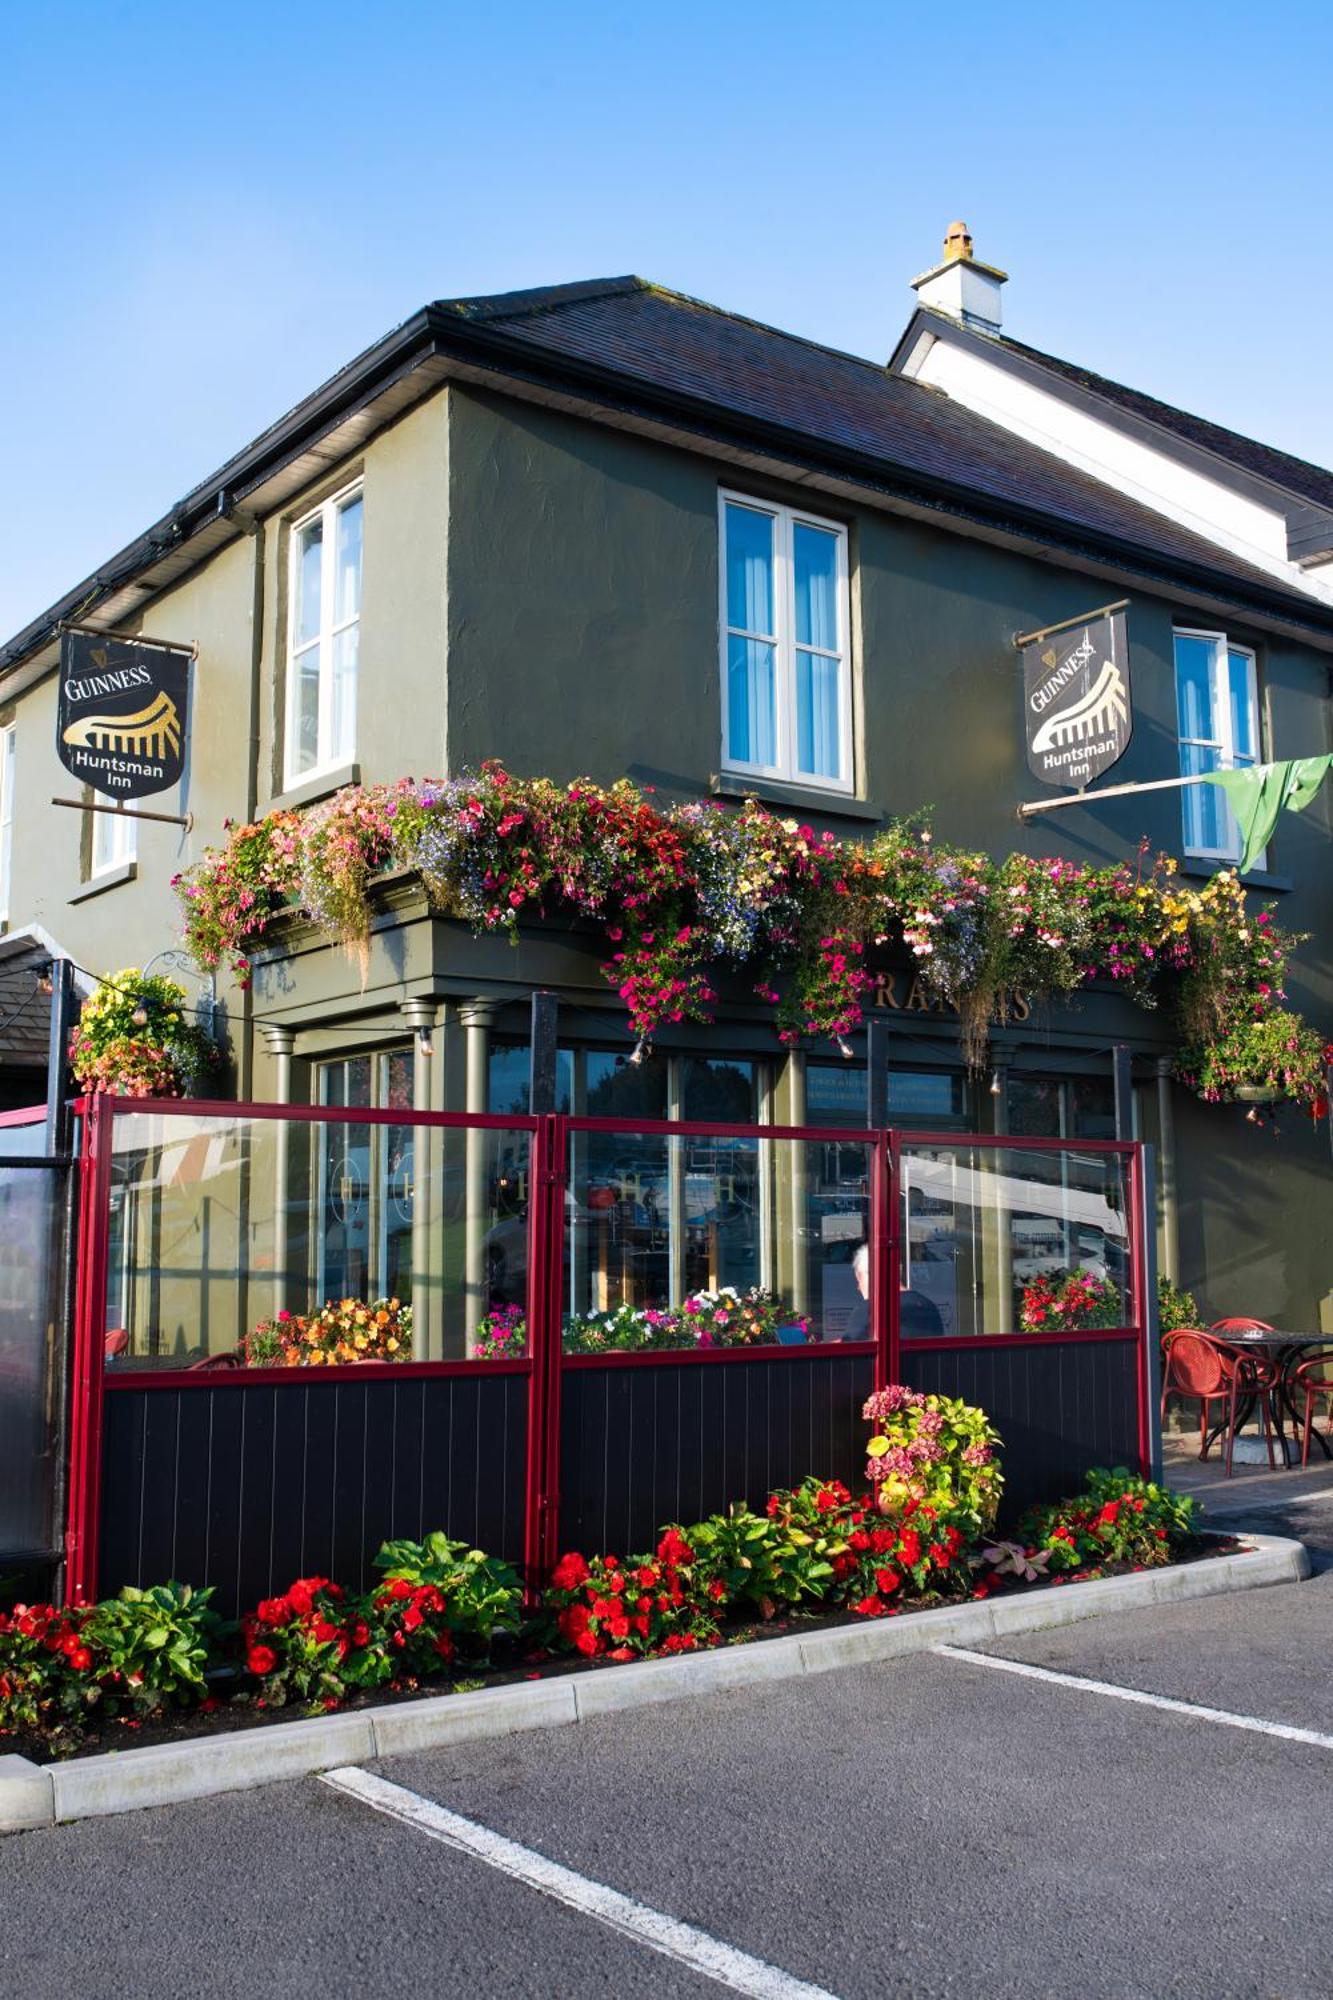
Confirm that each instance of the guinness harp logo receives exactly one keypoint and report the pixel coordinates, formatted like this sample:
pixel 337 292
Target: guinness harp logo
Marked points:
pixel 1077 701
pixel 121 723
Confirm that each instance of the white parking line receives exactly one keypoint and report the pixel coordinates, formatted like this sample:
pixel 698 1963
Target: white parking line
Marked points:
pixel 691 1947
pixel 1254 1723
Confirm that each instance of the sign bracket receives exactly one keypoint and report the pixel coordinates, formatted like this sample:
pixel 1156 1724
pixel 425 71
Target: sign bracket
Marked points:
pixel 1031 807
pixel 127 812
pixel 1022 639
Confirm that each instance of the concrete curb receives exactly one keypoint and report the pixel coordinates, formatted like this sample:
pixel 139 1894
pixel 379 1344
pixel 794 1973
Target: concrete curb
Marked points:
pixel 33 1795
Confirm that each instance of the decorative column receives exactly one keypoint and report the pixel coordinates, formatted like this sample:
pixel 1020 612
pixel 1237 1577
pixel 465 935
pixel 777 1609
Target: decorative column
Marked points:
pixel 1168 1229
pixel 280 1043
pixel 422 1015
pixel 476 1018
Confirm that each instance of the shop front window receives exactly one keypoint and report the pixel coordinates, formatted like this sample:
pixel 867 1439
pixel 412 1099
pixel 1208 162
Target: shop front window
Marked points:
pixel 366 1180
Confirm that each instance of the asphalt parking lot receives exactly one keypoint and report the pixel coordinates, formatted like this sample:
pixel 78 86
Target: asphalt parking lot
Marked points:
pixel 934 1826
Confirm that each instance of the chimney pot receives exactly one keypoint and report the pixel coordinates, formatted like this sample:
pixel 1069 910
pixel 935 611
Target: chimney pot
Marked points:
pixel 957 240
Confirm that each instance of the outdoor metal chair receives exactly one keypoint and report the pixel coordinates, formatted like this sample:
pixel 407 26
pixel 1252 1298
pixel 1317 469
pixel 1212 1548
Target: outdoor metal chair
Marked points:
pixel 117 1340
pixel 1200 1368
pixel 1241 1325
pixel 1313 1380
pixel 231 1359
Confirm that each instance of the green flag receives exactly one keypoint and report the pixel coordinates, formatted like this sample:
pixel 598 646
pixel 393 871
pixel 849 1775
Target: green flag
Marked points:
pixel 1258 793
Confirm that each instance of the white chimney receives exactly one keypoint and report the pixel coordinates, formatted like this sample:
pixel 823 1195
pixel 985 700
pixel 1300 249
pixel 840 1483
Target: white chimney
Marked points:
pixel 961 287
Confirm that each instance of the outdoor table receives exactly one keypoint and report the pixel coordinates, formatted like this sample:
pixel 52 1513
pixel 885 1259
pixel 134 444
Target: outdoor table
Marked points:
pixel 1287 1350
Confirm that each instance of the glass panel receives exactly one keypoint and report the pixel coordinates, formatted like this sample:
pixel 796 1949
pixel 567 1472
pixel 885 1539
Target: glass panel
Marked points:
pixel 1092 1107
pixel 306 667
pixel 1194 686
pixel 717 1091
pixel 1209 826
pixel 752 731
pixel 314 1243
pixel 342 724
pixel 983 1226
pixel 818 735
pixel 308 568
pixel 835 1094
pixel 815 553
pixel 750 570
pixel 347 584
pixel 1034 1108
pixel 614 1087
pixel 1244 719
pixel 689 1241
pixel 23 1141
pixel 30 1229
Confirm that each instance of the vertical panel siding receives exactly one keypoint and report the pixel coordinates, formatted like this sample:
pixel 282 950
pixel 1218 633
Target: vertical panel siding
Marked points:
pixel 1059 1410
pixel 645 1445
pixel 246 1488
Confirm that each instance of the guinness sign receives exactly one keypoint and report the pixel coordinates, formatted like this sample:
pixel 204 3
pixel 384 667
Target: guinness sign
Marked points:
pixel 121 718
pixel 1076 699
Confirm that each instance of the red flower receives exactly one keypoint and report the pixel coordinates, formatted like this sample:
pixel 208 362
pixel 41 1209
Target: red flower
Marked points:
pixel 276 1610
pixel 909 1547
pixel 673 1549
pixel 887 1581
pixel 868 1607
pixel 574 1622
pixel 261 1660
pixel 569 1572
pixel 81 1659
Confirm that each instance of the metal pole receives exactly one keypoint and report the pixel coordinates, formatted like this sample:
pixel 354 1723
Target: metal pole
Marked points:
pixel 1031 807
pixel 544 1036
pixel 1151 1357
pixel 1022 639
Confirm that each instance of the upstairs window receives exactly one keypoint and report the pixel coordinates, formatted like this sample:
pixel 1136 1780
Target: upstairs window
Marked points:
pixel 7 741
pixel 1217 711
pixel 786 670
pixel 324 627
pixel 114 842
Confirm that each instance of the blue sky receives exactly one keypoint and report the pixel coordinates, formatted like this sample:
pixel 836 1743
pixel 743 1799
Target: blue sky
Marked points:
pixel 207 211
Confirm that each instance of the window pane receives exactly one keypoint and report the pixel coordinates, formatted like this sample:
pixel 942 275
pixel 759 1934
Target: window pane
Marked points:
pixel 718 1090
pixel 343 723
pixel 309 560
pixel 752 736
pixel 1209 828
pixel 816 558
pixel 347 592
pixel 1194 687
pixel 818 744
pixel 749 569
pixel 1244 719
pixel 306 718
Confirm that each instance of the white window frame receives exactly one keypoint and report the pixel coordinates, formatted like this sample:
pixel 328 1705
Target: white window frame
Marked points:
pixel 783 639
pixel 8 753
pixel 326 758
pixel 1223 742
pixel 115 841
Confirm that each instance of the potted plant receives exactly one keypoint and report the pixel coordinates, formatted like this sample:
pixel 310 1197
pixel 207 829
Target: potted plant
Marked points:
pixel 134 1038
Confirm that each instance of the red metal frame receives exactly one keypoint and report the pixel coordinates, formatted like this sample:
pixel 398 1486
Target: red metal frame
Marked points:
pixel 545 1362
pixel 24 1114
pixel 85 1478
pixel 359 1371
pixel 718 1356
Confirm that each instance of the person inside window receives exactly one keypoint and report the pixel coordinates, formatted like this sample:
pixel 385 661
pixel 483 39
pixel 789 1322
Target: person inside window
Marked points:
pixel 918 1315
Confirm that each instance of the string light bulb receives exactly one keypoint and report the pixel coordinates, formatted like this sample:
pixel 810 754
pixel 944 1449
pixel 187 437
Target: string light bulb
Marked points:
pixel 995 1085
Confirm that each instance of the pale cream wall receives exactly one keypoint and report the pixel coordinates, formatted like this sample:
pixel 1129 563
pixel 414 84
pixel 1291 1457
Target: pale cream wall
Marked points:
pixel 400 726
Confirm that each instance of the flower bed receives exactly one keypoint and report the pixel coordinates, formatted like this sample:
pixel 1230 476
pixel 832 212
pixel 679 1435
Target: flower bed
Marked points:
pixel 159 1661
pixel 721 1318
pixel 919 1537
pixel 1074 1301
pixel 683 893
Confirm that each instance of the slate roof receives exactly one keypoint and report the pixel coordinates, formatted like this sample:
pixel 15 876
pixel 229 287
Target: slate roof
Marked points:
pixel 629 345
pixel 1297 475
pixel 640 333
